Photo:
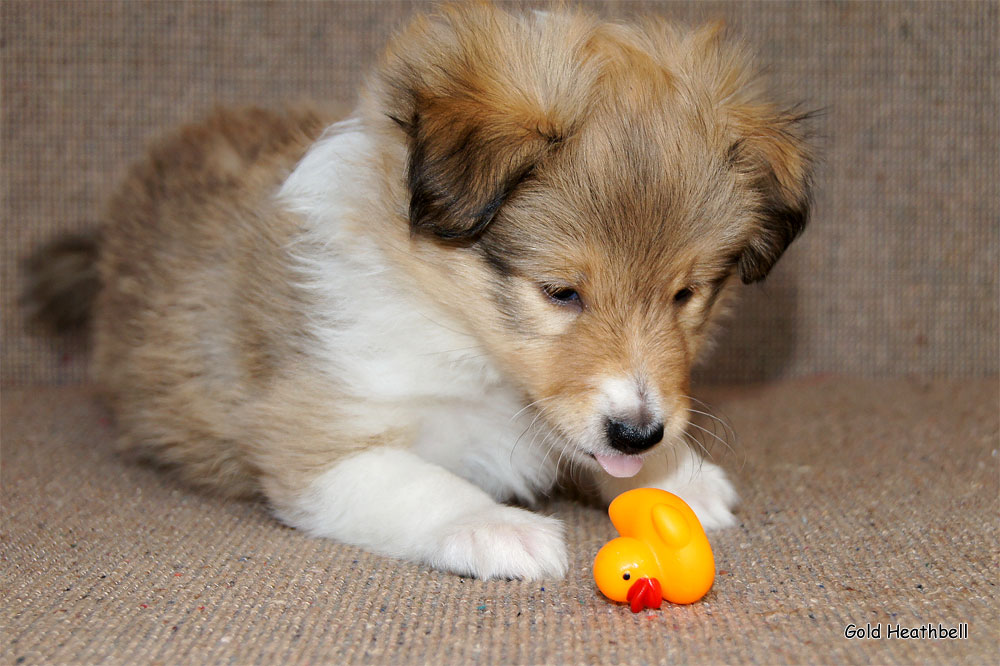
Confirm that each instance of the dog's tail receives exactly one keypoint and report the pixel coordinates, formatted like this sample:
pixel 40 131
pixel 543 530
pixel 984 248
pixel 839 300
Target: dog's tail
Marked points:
pixel 61 282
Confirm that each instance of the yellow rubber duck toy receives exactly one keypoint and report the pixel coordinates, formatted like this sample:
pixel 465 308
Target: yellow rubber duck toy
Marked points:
pixel 662 552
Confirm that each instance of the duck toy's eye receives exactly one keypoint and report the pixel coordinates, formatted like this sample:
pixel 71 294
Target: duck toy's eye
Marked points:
pixel 626 576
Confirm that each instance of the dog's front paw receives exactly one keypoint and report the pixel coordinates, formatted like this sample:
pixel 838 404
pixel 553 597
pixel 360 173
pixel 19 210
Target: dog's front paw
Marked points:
pixel 504 542
pixel 702 484
pixel 709 494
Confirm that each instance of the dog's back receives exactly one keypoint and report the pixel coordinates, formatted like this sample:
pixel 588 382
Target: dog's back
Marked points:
pixel 176 277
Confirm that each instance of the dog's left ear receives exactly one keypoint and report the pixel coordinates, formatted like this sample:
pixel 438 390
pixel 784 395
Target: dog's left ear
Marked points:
pixel 773 155
pixel 766 145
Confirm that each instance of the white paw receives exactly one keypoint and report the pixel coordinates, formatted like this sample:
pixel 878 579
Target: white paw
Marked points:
pixel 503 542
pixel 709 494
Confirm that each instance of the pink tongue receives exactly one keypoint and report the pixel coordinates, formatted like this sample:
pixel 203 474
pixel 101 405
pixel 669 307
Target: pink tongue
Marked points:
pixel 620 466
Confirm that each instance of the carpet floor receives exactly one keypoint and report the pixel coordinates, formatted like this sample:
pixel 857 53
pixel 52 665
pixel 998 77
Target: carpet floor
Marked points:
pixel 871 504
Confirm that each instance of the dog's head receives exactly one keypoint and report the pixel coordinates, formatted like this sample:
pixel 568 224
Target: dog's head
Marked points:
pixel 590 190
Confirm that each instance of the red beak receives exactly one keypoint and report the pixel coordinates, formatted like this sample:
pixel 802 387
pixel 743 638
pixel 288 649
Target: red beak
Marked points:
pixel 644 593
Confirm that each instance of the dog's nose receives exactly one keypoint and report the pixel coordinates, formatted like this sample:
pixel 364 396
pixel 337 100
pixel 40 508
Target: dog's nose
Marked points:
pixel 630 438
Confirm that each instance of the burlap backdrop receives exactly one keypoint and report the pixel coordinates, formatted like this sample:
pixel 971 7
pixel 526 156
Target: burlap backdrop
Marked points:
pixel 896 276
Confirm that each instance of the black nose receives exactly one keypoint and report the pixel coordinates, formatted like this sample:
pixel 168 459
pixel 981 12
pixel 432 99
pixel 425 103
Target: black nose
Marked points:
pixel 629 438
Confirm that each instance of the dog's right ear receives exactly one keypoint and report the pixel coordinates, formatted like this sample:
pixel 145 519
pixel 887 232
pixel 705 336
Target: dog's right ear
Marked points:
pixel 465 160
pixel 477 124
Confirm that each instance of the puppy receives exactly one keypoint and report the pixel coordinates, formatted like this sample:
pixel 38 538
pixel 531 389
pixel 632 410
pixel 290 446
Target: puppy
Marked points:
pixel 500 267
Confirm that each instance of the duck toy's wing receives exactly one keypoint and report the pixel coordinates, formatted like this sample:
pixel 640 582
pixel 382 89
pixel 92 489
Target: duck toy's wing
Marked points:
pixel 683 553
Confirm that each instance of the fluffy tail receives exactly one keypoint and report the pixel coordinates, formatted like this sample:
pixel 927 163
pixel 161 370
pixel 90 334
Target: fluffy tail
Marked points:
pixel 61 282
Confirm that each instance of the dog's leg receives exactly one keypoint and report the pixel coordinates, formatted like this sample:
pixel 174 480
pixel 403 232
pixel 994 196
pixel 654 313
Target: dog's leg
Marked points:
pixel 391 501
pixel 678 469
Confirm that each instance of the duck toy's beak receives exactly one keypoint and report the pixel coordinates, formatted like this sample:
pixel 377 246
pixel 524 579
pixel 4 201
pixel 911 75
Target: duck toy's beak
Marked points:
pixel 644 593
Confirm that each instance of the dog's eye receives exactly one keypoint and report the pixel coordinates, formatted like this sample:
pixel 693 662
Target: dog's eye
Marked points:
pixel 562 295
pixel 683 296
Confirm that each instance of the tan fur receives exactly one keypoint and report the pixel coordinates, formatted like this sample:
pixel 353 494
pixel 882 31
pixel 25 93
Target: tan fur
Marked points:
pixel 653 159
pixel 197 313
pixel 629 163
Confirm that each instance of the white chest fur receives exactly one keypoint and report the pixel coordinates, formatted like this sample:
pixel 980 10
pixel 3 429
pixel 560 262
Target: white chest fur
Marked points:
pixel 387 345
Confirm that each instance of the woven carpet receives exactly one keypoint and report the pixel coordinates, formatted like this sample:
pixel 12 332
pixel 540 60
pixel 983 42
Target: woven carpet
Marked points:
pixel 864 503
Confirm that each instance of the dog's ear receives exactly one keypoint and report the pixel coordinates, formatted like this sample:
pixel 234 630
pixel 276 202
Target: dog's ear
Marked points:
pixel 465 160
pixel 773 155
pixel 482 96
pixel 769 149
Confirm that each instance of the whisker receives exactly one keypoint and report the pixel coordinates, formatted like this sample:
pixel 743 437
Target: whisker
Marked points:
pixel 695 471
pixel 528 427
pixel 721 418
pixel 713 419
pixel 531 404
pixel 728 437
pixel 714 436
pixel 690 437
pixel 455 351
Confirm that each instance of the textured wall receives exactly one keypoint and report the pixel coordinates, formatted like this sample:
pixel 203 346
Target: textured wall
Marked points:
pixel 897 275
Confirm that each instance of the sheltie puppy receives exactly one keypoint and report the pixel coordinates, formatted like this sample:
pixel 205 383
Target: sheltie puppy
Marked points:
pixel 499 269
